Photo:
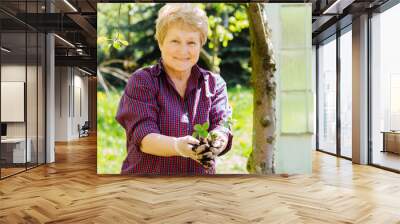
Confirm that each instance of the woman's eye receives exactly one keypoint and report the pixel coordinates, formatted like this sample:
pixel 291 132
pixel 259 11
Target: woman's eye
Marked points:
pixel 174 41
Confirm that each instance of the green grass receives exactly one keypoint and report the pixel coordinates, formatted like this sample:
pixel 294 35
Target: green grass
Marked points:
pixel 111 145
pixel 241 100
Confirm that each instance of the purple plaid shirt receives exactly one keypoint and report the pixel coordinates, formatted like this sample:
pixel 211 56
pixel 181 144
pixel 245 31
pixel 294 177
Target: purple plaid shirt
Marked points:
pixel 151 104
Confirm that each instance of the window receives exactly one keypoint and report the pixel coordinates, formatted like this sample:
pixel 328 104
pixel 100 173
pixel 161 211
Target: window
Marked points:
pixel 327 96
pixel 346 94
pixel 385 89
pixel 22 75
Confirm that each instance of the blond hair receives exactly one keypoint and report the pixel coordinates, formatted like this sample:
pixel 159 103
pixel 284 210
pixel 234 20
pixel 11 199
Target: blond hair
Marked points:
pixel 181 13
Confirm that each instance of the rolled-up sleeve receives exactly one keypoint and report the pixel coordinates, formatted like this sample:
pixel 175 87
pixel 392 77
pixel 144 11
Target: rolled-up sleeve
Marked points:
pixel 221 111
pixel 138 108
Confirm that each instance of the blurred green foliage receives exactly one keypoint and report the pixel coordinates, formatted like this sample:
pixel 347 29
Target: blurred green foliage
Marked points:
pixel 111 145
pixel 111 140
pixel 234 162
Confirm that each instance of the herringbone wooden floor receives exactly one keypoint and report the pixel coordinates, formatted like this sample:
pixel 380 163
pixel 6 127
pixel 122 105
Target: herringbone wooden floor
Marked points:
pixel 69 191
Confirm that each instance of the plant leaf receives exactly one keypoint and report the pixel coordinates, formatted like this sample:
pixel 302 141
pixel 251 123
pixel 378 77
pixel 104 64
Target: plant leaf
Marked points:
pixel 116 45
pixel 197 127
pixel 124 42
pixel 206 125
pixel 203 134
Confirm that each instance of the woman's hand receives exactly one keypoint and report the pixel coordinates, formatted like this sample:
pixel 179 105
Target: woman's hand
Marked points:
pixel 184 145
pixel 207 153
pixel 219 142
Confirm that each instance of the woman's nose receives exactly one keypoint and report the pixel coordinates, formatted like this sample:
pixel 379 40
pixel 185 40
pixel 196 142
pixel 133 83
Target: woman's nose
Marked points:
pixel 184 49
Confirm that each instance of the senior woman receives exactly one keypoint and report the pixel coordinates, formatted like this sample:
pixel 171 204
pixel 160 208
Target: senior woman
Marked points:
pixel 162 103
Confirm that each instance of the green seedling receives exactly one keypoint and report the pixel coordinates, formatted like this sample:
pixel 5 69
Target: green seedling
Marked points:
pixel 202 134
pixel 207 140
pixel 201 131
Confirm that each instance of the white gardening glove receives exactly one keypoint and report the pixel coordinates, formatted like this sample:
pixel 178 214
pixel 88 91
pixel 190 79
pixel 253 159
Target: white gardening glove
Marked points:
pixel 207 153
pixel 183 146
pixel 220 142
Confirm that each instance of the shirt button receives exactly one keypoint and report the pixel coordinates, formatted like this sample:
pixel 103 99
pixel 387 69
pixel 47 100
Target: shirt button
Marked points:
pixel 185 118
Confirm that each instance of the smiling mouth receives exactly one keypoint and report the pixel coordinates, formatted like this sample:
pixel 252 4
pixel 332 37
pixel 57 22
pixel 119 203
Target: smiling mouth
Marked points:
pixel 182 59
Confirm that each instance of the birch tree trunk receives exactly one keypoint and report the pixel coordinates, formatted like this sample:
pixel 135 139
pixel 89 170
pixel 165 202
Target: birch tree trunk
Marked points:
pixel 261 159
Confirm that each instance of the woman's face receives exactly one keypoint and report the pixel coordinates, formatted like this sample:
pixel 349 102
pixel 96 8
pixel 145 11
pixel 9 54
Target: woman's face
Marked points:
pixel 180 49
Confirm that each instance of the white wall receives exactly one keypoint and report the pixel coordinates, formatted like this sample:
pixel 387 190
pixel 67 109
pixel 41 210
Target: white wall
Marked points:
pixel 13 73
pixel 81 89
pixel 61 103
pixel 291 37
pixel 33 127
pixel 71 94
pixel 12 101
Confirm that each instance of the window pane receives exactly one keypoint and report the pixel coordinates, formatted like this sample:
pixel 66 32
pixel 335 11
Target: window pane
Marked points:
pixel 15 150
pixel 327 97
pixel 386 89
pixel 346 94
pixel 31 99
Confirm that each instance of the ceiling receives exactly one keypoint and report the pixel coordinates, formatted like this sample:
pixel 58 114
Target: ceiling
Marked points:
pixel 329 16
pixel 74 22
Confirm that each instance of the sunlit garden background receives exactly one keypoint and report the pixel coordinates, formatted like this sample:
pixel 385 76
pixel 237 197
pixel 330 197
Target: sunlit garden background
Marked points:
pixel 126 43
